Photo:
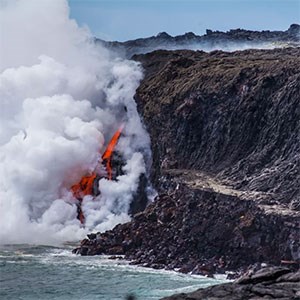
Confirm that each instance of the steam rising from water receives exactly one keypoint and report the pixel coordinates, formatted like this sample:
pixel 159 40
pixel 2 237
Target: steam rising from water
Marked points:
pixel 61 101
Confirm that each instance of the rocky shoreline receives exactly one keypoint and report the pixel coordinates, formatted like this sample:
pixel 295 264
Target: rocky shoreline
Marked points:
pixel 199 231
pixel 225 140
pixel 267 283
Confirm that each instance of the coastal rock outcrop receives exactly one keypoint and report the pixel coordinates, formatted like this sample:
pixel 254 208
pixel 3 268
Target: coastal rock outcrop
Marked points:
pixel 268 283
pixel 225 133
pixel 202 232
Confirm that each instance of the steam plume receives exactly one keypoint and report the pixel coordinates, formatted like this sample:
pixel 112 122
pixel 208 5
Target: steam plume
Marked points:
pixel 61 99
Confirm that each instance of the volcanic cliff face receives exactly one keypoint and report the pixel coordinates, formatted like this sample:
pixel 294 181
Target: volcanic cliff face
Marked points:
pixel 225 135
pixel 234 116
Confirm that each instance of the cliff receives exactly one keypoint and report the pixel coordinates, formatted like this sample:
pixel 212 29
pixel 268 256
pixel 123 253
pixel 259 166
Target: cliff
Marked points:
pixel 225 134
pixel 234 116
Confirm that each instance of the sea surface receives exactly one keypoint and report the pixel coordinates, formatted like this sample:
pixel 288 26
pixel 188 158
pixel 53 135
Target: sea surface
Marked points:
pixel 43 272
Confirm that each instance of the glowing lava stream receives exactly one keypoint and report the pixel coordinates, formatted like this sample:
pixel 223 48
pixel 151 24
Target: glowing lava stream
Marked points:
pixel 106 157
pixel 86 185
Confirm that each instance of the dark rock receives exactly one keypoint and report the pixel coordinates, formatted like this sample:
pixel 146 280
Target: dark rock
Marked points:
pixel 91 236
pixel 234 119
pixel 294 29
pixel 211 40
pixel 266 288
pixel 116 250
pixel 202 232
pixel 228 124
pixel 163 35
pixel 263 275
pixel 140 199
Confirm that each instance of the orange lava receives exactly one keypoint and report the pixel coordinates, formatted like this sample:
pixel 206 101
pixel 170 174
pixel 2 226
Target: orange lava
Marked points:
pixel 86 185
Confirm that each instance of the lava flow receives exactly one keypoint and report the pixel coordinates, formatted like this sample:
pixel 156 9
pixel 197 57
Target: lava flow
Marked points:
pixel 106 157
pixel 88 185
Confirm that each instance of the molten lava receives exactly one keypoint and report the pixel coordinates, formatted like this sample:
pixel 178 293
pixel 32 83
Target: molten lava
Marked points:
pixel 86 186
pixel 106 157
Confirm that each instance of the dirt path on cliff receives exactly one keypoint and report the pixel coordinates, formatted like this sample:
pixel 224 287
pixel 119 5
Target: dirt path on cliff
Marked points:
pixel 199 180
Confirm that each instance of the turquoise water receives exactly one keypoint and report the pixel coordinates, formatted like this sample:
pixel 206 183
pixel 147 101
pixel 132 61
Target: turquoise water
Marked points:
pixel 43 272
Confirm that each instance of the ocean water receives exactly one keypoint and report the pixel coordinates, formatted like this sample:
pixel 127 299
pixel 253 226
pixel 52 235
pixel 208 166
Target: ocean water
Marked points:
pixel 43 272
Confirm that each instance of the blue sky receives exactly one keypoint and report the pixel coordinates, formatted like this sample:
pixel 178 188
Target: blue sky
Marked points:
pixel 129 19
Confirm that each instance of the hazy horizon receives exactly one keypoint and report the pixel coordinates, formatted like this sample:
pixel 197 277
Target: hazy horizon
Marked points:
pixel 131 19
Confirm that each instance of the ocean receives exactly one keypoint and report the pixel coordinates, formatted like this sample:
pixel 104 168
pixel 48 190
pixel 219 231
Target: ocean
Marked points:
pixel 30 272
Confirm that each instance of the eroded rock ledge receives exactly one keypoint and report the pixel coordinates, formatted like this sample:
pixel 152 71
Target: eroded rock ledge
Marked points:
pixel 268 283
pixel 202 232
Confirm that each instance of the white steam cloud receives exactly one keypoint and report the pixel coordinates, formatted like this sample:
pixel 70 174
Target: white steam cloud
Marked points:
pixel 62 98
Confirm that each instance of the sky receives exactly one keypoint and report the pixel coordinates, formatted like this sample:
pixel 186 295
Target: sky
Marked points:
pixel 130 19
